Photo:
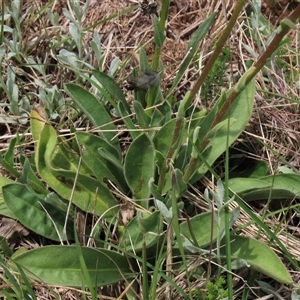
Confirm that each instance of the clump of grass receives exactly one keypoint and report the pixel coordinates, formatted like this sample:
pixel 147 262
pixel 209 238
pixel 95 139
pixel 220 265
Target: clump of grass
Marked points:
pixel 214 291
pixel 216 79
pixel 65 77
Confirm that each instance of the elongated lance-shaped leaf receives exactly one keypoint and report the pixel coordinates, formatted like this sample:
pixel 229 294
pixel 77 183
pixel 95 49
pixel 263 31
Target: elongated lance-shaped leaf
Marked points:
pixel 57 167
pixel 4 209
pixel 112 87
pixel 139 166
pixel 38 119
pixel 192 48
pixel 231 126
pixel 144 65
pixel 36 214
pixel 277 186
pixel 95 111
pixel 143 119
pixel 128 122
pixel 260 257
pixel 60 265
pixel 102 167
pixel 134 238
pixel 201 231
pixel 159 35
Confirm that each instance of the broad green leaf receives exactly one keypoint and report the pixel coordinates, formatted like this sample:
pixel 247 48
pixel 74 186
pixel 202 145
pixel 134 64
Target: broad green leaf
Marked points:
pixel 192 48
pixel 163 138
pixel 64 156
pixel 195 119
pixel 142 118
pixel 112 87
pixel 59 204
pixel 164 210
pixel 244 167
pixel 95 111
pixel 179 185
pixel 4 209
pixel 106 154
pixel 8 167
pixel 29 177
pixel 240 114
pixel 6 251
pixel 60 265
pixel 4 181
pixel 260 257
pixel 9 156
pixel 144 65
pixel 38 119
pixel 221 128
pixel 127 121
pixel 162 114
pixel 89 194
pixel 159 160
pixel 36 214
pixel 139 166
pixel 135 237
pixel 199 231
pixel 159 36
pixel 169 141
pixel 278 186
pixel 91 147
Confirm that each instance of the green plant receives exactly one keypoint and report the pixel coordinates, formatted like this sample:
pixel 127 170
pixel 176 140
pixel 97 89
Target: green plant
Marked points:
pixel 19 287
pixel 170 149
pixel 214 290
pixel 215 81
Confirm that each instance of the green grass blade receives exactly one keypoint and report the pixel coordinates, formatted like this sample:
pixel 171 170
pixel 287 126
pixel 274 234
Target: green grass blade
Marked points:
pixel 139 166
pixel 128 122
pixel 192 48
pixel 34 213
pixel 112 87
pixel 60 265
pixel 95 111
pixel 260 257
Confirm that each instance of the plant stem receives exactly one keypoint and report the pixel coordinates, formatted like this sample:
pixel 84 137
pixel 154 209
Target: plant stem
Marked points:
pixel 219 47
pixel 145 273
pixel 165 168
pixel 227 216
pixel 244 80
pixel 157 51
pixel 163 19
pixel 282 30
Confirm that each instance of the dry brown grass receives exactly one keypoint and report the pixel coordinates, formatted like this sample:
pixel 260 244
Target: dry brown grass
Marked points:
pixel 275 121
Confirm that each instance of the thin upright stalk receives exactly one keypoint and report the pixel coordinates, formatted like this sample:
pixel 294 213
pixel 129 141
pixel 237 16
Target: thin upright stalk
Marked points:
pixel 282 30
pixel 163 20
pixel 218 49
